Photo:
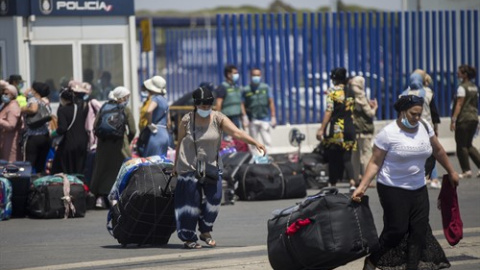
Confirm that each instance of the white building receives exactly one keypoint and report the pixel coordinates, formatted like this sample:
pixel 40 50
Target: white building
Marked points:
pixel 54 41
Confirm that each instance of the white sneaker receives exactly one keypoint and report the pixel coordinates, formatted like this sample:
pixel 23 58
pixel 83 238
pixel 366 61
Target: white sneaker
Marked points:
pixel 435 184
pixel 467 174
pixel 100 203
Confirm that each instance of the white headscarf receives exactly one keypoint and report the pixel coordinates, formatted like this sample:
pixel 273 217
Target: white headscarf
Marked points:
pixel 118 93
pixel 11 89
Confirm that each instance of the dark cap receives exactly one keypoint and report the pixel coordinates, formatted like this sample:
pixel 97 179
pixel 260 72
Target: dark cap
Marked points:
pixel 41 88
pixel 407 101
pixel 15 78
pixel 202 96
pixel 338 74
pixel 207 85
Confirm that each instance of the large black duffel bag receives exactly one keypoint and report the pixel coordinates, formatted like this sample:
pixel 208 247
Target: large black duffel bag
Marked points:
pixel 145 212
pixel 269 182
pixel 323 232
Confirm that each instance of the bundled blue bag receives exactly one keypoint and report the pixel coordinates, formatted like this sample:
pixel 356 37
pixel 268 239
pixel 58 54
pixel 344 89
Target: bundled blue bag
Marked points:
pixel 5 199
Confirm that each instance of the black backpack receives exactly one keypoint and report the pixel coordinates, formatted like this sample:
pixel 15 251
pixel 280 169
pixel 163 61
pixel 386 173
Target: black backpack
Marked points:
pixel 111 122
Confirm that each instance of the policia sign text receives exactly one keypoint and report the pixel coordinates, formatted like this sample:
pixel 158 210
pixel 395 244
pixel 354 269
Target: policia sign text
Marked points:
pixel 82 8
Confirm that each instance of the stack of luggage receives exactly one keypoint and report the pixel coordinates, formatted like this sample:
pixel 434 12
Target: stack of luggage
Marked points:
pixel 19 175
pixel 324 231
pixel 142 202
pixel 57 196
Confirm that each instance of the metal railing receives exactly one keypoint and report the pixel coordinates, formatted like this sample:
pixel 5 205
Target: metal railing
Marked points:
pixel 297 52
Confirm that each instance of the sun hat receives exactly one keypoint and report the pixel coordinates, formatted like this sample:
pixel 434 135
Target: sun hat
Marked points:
pixel 156 84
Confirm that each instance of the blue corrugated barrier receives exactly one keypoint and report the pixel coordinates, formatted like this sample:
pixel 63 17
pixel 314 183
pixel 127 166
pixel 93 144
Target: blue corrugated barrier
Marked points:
pixel 296 53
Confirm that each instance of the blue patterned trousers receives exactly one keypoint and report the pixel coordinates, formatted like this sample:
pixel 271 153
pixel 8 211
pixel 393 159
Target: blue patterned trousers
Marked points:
pixel 195 203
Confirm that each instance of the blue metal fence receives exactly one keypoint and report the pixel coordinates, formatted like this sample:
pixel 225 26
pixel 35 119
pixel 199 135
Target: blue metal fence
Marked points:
pixel 296 57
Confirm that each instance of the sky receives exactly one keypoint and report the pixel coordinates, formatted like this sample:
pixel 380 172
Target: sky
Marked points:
pixel 191 5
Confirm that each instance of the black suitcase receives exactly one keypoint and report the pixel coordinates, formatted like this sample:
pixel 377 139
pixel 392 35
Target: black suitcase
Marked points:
pixel 46 201
pixel 322 232
pixel 145 212
pixel 19 173
pixel 315 171
pixel 232 162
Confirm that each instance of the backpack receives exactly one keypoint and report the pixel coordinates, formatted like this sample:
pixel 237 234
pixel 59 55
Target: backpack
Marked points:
pixel 111 122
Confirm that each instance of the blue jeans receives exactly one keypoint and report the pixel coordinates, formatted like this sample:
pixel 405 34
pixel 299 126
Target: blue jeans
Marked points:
pixel 196 203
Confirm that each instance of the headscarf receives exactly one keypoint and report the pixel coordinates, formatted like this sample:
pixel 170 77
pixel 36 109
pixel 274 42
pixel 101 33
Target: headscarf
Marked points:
pixel 11 89
pixel 416 81
pixel 3 84
pixel 407 101
pixel 118 93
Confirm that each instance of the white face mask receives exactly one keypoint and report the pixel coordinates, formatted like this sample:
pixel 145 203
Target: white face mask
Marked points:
pixel 204 113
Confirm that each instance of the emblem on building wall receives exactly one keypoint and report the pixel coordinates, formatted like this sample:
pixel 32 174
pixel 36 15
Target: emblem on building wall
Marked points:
pixel 46 6
pixel 3 7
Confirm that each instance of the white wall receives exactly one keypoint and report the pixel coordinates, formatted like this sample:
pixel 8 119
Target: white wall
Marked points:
pixel 9 36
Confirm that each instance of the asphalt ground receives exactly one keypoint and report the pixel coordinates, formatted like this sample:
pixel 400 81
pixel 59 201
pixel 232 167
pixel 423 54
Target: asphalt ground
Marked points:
pixel 240 231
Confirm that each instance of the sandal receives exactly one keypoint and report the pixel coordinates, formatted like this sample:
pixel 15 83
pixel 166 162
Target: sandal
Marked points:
pixel 207 238
pixel 192 245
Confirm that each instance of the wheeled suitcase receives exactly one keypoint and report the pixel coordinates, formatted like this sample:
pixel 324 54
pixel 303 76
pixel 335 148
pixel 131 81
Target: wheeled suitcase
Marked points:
pixel 231 163
pixel 50 198
pixel 19 173
pixel 144 212
pixel 322 232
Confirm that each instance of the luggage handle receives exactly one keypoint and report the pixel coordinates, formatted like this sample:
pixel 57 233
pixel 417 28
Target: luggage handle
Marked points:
pixel 323 192
pixel 167 186
pixel 328 190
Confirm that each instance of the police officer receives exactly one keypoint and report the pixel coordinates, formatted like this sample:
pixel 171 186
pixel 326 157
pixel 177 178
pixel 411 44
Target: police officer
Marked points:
pixel 257 99
pixel 229 96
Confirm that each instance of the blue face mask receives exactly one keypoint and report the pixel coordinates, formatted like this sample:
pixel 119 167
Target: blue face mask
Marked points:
pixel 256 79
pixel 20 86
pixel 204 113
pixel 85 97
pixel 235 77
pixel 407 124
pixel 6 99
pixel 30 94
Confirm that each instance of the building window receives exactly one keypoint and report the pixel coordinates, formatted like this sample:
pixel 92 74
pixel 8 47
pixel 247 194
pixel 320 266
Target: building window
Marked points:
pixel 103 68
pixel 53 65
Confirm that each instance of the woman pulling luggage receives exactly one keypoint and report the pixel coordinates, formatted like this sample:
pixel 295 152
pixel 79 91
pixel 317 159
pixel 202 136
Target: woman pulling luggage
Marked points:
pixel 196 165
pixel 399 154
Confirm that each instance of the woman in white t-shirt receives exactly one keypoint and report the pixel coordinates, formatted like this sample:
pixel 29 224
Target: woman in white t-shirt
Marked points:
pixel 399 154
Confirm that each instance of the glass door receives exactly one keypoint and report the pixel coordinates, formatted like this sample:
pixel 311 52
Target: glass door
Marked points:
pixel 53 65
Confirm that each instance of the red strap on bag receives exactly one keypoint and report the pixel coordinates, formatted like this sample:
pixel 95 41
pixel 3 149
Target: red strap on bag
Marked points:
pixel 292 229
